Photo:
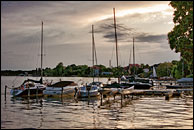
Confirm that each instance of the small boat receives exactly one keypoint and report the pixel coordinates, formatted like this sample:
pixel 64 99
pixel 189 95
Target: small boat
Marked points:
pixel 28 88
pixel 90 90
pixel 138 83
pixel 64 88
pixel 182 83
pixel 126 90
pixel 111 89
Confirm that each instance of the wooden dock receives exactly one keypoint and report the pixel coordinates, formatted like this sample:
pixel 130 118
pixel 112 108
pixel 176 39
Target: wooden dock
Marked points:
pixel 167 93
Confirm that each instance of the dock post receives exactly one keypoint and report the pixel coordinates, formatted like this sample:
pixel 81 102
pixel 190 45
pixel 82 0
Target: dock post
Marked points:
pixel 5 91
pixel 121 99
pixel 28 92
pixel 101 95
pixel 88 94
pixel 61 93
pixel 168 95
pixel 37 94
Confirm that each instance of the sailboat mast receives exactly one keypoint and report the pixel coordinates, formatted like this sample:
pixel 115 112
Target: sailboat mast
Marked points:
pixel 93 50
pixel 129 61
pixel 41 50
pixel 134 56
pixel 116 41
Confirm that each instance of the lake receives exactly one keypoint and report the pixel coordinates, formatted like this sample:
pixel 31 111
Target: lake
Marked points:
pixel 145 112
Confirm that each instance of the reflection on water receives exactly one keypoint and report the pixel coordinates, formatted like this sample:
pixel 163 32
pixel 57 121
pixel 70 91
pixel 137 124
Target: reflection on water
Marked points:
pixel 55 113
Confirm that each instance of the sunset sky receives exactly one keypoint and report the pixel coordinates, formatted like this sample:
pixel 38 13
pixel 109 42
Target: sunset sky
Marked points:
pixel 68 38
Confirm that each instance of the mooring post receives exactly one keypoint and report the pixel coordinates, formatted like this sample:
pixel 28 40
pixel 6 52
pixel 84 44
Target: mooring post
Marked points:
pixel 61 92
pixel 121 98
pixel 28 90
pixel 37 94
pixel 101 98
pixel 5 91
pixel 88 94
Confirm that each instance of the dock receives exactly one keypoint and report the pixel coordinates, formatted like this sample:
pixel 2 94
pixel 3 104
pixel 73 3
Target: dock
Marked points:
pixel 167 93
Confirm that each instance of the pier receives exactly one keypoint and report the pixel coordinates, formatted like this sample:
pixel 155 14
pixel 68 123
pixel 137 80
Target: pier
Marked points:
pixel 167 93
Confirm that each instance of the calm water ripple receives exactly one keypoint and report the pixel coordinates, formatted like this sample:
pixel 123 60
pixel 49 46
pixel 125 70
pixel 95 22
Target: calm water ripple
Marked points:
pixel 146 112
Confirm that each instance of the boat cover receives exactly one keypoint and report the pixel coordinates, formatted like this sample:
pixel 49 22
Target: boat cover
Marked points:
pixel 185 80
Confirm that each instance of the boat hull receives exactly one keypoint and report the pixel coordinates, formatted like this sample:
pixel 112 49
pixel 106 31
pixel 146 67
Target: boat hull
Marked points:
pixel 59 92
pixel 82 94
pixel 24 93
pixel 177 86
pixel 139 85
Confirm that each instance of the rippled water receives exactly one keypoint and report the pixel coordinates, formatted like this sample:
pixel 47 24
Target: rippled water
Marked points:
pixel 145 112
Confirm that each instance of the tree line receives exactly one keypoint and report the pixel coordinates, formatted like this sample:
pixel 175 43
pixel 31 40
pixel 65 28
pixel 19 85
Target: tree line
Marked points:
pixel 174 69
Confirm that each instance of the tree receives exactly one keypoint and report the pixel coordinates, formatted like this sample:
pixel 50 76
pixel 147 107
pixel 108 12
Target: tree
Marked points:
pixel 181 37
pixel 163 69
pixel 58 70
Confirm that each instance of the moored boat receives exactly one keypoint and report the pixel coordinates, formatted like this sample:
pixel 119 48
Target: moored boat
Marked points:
pixel 138 83
pixel 126 90
pixel 90 90
pixel 182 83
pixel 61 88
pixel 29 88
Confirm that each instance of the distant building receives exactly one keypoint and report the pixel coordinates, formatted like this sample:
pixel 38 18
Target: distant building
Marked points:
pixel 96 70
pixel 146 70
pixel 131 65
pixel 136 65
pixel 106 73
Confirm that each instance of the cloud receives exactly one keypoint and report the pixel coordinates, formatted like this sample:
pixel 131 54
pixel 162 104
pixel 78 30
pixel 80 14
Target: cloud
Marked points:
pixel 152 38
pixel 67 30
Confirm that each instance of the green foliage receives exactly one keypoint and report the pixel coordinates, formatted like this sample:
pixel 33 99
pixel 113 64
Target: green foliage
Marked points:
pixel 181 37
pixel 190 76
pixel 173 68
pixel 164 69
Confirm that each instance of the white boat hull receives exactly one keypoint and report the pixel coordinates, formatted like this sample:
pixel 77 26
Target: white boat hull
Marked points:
pixel 59 90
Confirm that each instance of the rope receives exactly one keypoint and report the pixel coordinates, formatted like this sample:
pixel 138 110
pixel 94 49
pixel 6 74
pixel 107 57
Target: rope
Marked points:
pixel 10 87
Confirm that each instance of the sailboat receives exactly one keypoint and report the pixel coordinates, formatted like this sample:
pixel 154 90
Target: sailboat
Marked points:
pixel 30 87
pixel 115 87
pixel 90 90
pixel 137 82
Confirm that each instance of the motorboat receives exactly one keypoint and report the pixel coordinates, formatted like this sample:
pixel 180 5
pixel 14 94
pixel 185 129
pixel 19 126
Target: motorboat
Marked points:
pixel 61 88
pixel 138 83
pixel 90 90
pixel 182 83
pixel 29 88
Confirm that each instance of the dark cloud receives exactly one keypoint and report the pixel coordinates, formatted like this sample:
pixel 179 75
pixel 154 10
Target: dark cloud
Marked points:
pixel 108 31
pixel 124 33
pixel 152 38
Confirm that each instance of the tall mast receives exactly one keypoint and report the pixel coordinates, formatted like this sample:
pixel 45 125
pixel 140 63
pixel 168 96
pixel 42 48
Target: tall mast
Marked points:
pixel 133 57
pixel 116 42
pixel 41 50
pixel 129 62
pixel 93 50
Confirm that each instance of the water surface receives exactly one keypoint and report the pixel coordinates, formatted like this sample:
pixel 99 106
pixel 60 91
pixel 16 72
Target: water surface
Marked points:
pixel 145 112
